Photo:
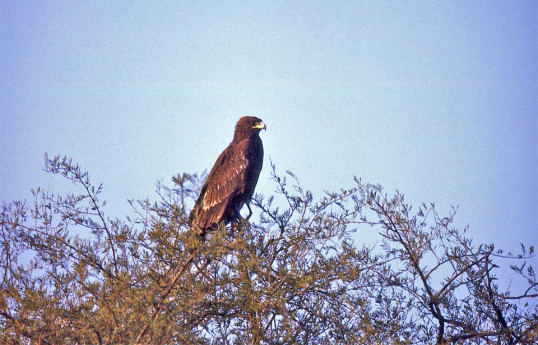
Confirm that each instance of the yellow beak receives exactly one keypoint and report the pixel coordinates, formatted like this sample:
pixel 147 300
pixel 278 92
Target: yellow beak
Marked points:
pixel 260 125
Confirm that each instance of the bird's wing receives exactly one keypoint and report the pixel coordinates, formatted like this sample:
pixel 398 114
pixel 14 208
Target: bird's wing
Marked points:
pixel 226 180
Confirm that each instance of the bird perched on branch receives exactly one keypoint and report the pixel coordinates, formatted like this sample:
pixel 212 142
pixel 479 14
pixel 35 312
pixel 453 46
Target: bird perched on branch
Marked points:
pixel 232 180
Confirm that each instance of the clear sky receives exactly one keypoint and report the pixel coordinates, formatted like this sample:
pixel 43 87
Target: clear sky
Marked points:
pixel 437 99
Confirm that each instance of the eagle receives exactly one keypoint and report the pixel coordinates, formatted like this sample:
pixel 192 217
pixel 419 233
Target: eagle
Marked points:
pixel 232 180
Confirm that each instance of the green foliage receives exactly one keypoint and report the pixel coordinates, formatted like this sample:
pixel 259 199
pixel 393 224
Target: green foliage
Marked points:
pixel 71 275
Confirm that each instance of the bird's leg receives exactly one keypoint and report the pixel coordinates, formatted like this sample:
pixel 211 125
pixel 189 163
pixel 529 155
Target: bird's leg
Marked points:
pixel 249 212
pixel 239 219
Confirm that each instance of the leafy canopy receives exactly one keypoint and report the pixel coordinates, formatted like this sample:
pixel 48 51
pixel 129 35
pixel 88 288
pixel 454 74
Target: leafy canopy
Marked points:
pixel 70 274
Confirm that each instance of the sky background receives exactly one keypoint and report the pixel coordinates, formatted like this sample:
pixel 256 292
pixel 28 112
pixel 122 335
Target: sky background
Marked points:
pixel 435 99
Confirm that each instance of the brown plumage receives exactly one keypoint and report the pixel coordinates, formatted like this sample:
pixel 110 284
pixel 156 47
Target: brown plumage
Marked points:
pixel 232 180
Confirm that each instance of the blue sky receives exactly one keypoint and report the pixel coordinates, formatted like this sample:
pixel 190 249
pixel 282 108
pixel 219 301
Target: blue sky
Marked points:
pixel 435 99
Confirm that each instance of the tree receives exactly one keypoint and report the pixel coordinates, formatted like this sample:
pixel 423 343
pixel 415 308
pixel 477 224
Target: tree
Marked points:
pixel 71 275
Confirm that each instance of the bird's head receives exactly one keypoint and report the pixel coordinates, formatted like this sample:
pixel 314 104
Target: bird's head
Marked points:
pixel 248 126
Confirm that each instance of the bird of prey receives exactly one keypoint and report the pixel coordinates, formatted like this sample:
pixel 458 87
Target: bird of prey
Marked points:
pixel 232 180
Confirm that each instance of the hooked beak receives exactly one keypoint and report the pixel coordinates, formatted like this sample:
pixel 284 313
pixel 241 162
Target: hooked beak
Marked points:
pixel 260 125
